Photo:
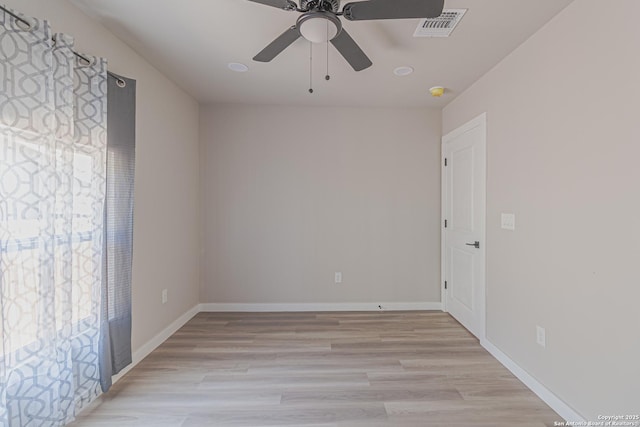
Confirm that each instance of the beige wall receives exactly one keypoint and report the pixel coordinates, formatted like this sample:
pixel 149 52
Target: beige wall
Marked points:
pixel 166 232
pixel 292 195
pixel 563 152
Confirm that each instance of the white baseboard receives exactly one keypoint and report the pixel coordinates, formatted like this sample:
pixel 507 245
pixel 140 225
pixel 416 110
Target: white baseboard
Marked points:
pixel 557 404
pixel 155 342
pixel 265 308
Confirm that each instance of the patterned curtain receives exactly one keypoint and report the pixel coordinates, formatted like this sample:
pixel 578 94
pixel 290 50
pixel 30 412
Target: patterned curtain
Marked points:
pixel 52 186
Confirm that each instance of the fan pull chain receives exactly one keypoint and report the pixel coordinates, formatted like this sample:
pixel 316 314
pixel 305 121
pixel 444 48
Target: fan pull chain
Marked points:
pixel 310 67
pixel 327 77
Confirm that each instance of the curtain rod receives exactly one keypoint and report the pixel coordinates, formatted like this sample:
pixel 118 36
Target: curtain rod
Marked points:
pixel 121 82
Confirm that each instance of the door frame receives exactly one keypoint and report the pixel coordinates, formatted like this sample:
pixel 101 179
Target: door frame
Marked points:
pixel 479 121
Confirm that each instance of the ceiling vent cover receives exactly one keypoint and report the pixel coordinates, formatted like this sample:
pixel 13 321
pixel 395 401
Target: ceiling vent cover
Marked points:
pixel 442 26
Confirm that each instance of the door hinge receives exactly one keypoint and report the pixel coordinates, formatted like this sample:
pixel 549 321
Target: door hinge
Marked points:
pixel 445 284
pixel 446 223
pixel 446 163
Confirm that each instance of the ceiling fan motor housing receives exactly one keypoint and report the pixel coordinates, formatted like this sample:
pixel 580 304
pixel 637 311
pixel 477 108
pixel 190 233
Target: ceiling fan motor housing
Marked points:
pixel 326 5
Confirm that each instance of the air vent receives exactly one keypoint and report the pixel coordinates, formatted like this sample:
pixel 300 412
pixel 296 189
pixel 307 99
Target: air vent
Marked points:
pixel 442 26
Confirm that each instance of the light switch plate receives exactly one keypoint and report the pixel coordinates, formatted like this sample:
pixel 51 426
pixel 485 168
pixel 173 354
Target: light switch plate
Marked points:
pixel 541 336
pixel 508 221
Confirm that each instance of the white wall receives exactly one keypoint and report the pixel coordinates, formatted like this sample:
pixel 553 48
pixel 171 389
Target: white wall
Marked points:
pixel 563 152
pixel 292 195
pixel 166 232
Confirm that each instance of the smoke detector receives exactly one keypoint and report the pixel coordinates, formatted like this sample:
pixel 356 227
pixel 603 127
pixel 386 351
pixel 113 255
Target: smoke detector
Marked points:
pixel 442 26
pixel 437 91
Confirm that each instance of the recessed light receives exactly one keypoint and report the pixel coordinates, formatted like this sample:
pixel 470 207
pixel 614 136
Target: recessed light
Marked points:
pixel 403 71
pixel 238 67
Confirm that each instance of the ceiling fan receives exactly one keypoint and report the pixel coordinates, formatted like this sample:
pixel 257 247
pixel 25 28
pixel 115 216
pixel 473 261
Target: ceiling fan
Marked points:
pixel 320 23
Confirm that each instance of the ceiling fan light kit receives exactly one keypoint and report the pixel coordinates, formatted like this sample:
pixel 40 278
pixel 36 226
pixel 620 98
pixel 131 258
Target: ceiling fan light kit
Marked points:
pixel 319 26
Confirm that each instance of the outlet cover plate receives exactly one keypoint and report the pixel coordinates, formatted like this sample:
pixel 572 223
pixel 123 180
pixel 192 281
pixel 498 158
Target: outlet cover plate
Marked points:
pixel 508 221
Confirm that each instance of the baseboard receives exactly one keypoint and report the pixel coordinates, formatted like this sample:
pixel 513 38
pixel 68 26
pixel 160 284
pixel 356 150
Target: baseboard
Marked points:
pixel 155 342
pixel 554 402
pixel 285 307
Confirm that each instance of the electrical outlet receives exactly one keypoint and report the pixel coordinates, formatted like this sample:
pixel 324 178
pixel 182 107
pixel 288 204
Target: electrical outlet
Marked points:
pixel 541 336
pixel 508 221
pixel 338 277
pixel 165 296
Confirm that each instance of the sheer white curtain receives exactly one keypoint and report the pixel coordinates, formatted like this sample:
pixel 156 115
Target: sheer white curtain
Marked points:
pixel 52 188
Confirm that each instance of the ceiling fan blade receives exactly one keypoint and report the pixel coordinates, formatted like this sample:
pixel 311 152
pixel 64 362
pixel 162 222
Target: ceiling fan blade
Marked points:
pixel 351 51
pixel 278 45
pixel 393 9
pixel 280 4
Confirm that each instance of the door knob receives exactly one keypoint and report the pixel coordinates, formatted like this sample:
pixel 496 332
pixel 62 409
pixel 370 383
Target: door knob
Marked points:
pixel 475 244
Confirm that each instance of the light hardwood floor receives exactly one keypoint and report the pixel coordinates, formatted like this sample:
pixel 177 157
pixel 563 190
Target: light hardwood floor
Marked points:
pixel 404 369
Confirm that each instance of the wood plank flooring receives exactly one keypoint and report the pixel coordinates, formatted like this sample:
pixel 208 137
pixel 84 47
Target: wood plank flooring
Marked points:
pixel 399 369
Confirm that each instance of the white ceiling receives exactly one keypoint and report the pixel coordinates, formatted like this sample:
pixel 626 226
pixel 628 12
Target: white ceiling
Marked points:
pixel 192 42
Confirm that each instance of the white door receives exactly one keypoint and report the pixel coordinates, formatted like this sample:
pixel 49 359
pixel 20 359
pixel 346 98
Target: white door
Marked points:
pixel 464 212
